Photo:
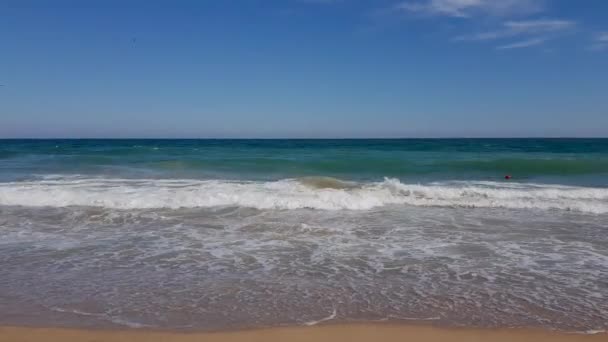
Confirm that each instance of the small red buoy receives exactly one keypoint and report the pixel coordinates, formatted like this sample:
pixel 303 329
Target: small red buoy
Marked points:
pixel 508 177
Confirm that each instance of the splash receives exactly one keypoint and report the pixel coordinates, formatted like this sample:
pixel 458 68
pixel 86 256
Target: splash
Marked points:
pixel 320 194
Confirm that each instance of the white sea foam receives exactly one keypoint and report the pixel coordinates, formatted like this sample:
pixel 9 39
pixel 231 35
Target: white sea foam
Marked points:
pixel 295 194
pixel 104 316
pixel 325 319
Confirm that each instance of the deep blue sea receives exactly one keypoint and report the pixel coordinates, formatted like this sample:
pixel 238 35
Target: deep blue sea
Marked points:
pixel 214 234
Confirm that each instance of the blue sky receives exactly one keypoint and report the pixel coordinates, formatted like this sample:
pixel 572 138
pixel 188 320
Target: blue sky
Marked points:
pixel 304 68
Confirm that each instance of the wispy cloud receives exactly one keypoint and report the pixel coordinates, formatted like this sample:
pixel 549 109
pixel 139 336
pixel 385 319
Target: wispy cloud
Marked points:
pixel 600 41
pixel 469 8
pixel 520 28
pixel 508 21
pixel 522 44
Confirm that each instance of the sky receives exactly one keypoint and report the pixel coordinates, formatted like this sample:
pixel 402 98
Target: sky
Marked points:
pixel 303 68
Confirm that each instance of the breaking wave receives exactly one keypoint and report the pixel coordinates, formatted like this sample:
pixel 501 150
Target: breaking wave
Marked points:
pixel 315 193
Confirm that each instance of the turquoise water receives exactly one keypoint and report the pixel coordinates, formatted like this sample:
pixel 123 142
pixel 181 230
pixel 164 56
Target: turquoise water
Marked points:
pixel 568 161
pixel 221 234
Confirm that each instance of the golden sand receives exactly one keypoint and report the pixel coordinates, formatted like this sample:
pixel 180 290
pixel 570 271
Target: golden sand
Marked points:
pixel 333 333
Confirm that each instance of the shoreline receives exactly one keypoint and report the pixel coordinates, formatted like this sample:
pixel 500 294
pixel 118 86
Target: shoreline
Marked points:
pixel 353 332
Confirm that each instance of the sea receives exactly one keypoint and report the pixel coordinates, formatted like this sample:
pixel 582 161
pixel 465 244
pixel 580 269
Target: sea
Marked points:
pixel 230 234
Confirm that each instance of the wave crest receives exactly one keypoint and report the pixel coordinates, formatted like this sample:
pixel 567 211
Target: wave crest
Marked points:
pixel 319 193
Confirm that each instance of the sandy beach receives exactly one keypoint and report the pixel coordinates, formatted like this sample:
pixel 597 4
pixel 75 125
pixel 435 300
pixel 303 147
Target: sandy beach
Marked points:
pixel 351 333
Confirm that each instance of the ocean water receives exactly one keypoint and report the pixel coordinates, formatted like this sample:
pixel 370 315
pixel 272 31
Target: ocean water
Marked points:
pixel 222 234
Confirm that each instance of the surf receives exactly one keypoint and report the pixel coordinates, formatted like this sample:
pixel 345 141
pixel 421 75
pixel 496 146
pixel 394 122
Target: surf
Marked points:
pixel 320 193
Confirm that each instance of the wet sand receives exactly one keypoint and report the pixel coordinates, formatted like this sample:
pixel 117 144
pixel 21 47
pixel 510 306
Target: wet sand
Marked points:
pixel 333 333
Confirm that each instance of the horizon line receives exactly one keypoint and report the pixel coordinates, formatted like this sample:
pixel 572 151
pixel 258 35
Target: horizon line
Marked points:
pixel 305 138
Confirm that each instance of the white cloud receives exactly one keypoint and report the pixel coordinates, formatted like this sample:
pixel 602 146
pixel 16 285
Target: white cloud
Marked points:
pixel 522 33
pixel 522 44
pixel 602 37
pixel 524 27
pixel 453 8
pixel 600 41
pixel 469 8
pixel 542 25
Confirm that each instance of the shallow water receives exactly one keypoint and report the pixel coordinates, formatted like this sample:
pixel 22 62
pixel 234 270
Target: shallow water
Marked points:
pixel 121 245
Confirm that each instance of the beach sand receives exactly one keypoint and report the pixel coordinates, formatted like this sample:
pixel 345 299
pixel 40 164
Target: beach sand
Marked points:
pixel 333 333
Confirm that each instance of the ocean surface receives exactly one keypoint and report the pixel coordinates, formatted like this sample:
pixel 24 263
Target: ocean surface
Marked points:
pixel 223 234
